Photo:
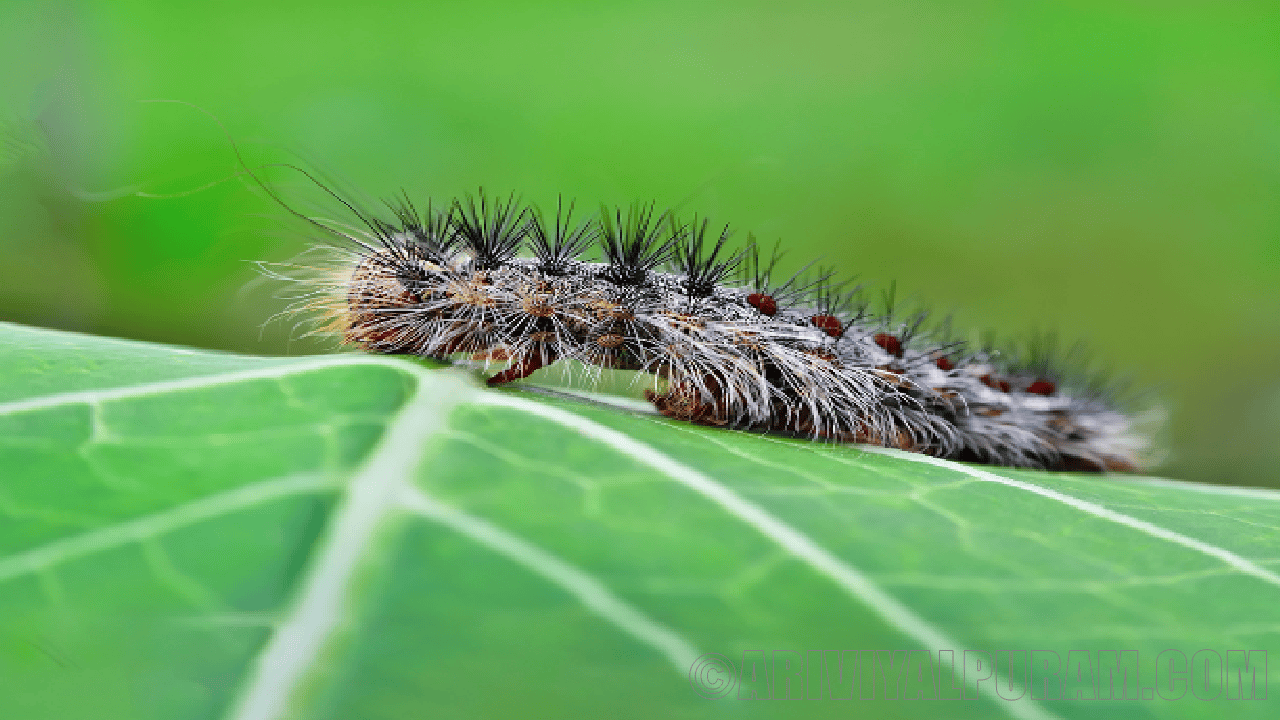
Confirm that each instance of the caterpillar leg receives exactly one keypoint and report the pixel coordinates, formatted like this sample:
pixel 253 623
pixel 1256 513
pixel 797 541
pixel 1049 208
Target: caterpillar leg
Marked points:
pixel 683 401
pixel 524 367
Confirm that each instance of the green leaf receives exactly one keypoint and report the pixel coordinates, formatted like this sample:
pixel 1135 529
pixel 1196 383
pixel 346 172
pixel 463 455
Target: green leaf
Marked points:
pixel 187 534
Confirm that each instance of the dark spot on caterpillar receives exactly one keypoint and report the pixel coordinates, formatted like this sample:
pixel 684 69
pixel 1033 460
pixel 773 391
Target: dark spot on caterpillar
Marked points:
pixel 995 383
pixel 823 354
pixel 828 324
pixel 472 294
pixel 944 364
pixel 606 310
pixel 685 323
pixel 537 306
pixel 610 341
pixel 1042 387
pixel 764 303
pixel 499 354
pixel 889 343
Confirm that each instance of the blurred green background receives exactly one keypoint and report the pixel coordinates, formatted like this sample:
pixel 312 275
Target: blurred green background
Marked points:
pixel 1109 170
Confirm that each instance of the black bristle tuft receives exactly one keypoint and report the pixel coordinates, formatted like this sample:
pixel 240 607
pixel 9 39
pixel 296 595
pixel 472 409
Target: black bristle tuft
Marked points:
pixel 558 248
pixel 633 246
pixel 755 273
pixel 835 298
pixel 418 235
pixel 836 305
pixel 492 232
pixel 704 269
pixel 889 298
pixel 795 289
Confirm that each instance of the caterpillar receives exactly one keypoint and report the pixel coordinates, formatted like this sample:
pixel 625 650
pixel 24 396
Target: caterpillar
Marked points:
pixel 496 282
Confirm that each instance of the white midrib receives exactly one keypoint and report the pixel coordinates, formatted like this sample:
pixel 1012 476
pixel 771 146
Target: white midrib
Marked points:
pixel 383 487
pixel 321 605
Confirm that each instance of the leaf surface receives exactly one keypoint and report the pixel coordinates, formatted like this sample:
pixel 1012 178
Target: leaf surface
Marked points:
pixel 188 534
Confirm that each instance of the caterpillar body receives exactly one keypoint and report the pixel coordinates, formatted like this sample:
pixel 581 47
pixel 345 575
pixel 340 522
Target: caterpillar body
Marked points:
pixel 498 283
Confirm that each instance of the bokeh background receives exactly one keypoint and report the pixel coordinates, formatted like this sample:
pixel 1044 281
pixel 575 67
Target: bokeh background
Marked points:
pixel 1107 170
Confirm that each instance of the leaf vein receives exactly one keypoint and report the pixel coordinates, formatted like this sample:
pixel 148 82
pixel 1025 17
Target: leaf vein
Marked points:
pixel 587 589
pixel 60 551
pixel 852 580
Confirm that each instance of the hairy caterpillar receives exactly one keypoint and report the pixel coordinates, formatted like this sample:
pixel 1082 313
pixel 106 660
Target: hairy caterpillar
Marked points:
pixel 737 346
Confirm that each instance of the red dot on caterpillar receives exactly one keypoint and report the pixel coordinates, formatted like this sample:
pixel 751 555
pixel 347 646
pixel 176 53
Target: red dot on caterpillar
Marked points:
pixel 889 344
pixel 995 383
pixel 764 303
pixel 1041 387
pixel 828 324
